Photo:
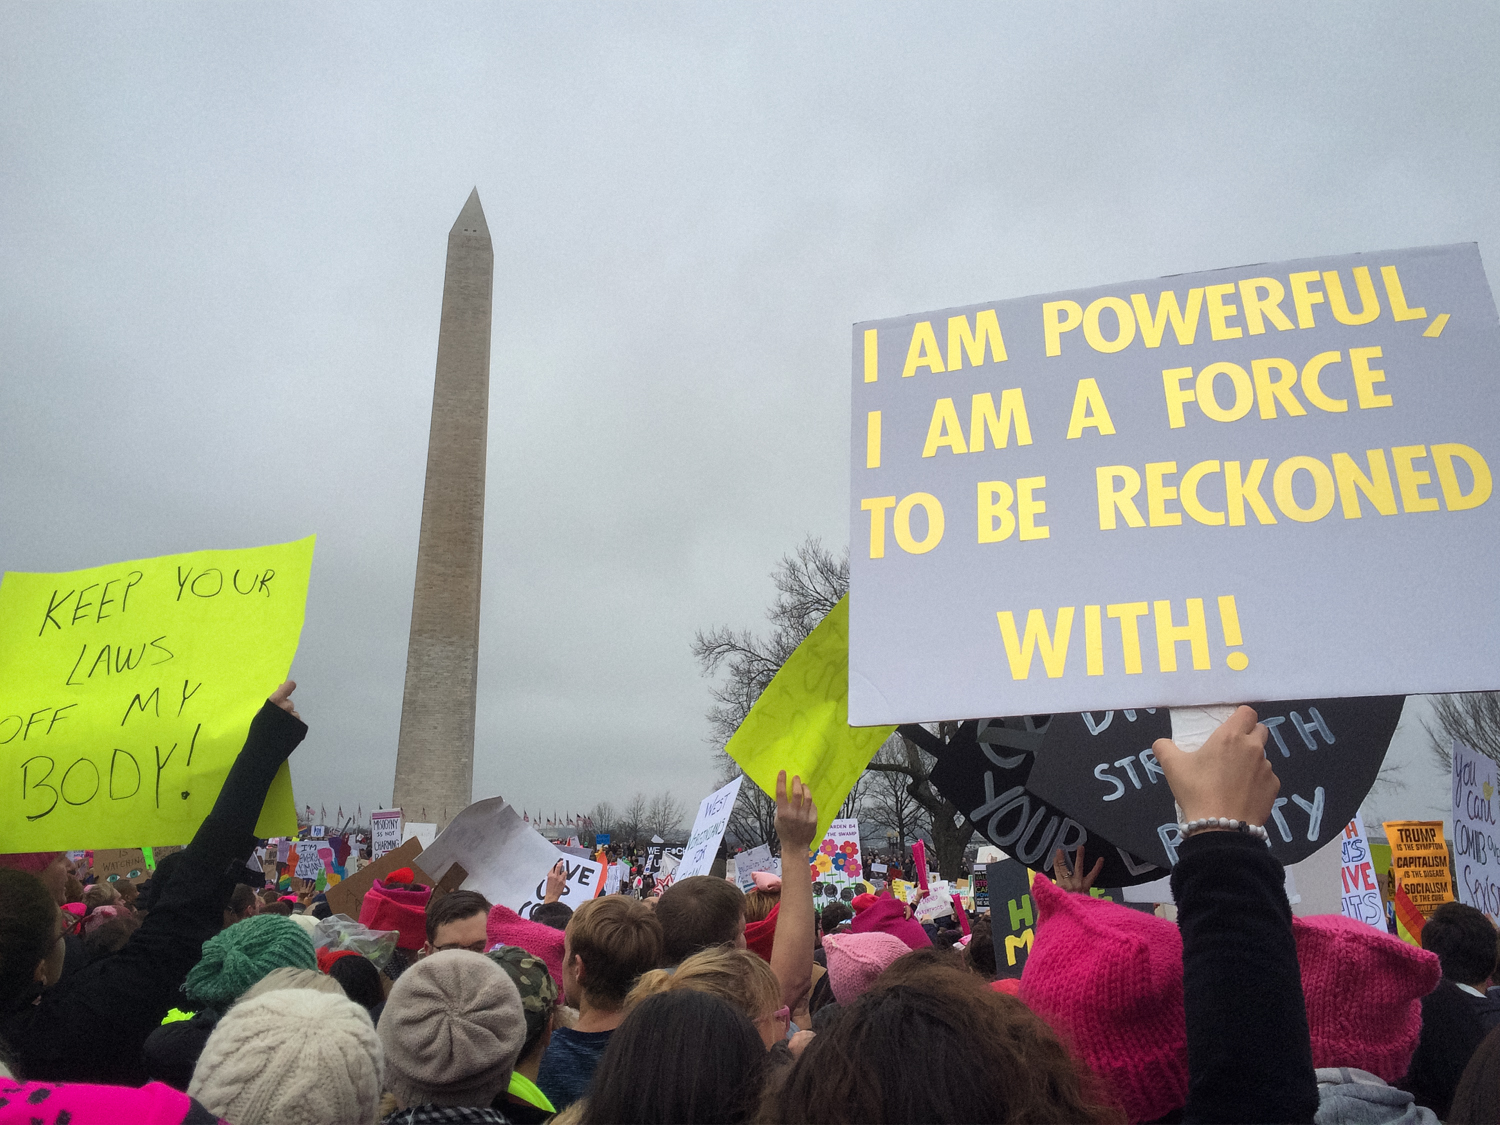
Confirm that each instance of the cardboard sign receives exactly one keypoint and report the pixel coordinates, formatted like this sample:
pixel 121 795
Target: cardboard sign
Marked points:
pixel 1053 498
pixel 345 897
pixel 1419 862
pixel 126 692
pixel 507 860
pixel 1099 767
pixel 986 769
pixel 1476 849
pixel 708 831
pixel 113 864
pixel 1361 890
pixel 385 831
pixel 837 872
pixel 747 863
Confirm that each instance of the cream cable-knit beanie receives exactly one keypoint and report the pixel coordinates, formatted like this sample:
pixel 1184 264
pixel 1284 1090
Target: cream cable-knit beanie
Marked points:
pixel 292 1057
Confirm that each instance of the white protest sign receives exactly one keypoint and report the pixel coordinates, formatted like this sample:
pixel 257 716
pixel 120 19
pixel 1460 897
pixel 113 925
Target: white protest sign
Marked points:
pixel 385 832
pixel 612 880
pixel 506 859
pixel 748 862
pixel 423 832
pixel 1053 497
pixel 1476 849
pixel 1360 890
pixel 308 864
pixel 708 831
pixel 938 902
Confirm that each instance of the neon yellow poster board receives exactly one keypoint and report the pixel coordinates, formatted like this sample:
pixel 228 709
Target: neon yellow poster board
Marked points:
pixel 126 692
pixel 800 723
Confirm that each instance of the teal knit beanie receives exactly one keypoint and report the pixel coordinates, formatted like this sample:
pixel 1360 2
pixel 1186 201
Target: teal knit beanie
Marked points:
pixel 236 958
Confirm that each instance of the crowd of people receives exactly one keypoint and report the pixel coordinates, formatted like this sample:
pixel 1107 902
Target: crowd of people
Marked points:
pixel 201 1001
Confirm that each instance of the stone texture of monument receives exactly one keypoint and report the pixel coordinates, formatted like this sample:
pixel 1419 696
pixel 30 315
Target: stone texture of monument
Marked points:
pixel 435 756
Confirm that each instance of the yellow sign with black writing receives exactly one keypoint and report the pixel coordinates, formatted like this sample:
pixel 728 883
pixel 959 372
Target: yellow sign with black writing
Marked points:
pixel 1419 862
pixel 126 692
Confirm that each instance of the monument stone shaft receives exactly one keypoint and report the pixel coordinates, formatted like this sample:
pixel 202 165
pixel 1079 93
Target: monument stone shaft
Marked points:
pixel 435 755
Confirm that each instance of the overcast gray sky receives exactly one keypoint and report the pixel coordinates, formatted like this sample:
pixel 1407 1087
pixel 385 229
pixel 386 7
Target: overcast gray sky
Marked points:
pixel 222 234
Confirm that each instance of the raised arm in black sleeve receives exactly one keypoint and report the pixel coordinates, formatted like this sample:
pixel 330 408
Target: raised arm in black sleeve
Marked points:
pixel 1249 1053
pixel 90 1027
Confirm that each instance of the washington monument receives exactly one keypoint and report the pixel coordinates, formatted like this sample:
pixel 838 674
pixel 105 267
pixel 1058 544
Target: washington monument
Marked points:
pixel 435 756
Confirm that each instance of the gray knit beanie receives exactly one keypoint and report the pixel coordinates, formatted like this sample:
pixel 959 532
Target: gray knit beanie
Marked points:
pixel 452 1029
pixel 294 1056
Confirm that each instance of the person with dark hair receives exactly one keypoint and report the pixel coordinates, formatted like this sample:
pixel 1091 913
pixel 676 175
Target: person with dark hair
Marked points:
pixel 242 904
pixel 1476 1101
pixel 700 912
pixel 360 980
pixel 456 921
pixel 939 1046
pixel 90 1026
pixel 681 1055
pixel 609 942
pixel 554 914
pixel 1457 1014
pixel 834 915
pixel 979 954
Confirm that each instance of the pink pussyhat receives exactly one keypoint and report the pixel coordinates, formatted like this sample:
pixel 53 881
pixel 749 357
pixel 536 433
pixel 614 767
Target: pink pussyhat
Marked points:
pixel 1375 1024
pixel 888 916
pixel 33 863
pixel 1108 979
pixel 855 960
pixel 505 927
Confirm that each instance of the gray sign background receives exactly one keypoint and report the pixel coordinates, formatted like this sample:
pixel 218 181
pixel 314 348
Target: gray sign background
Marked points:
pixel 1398 604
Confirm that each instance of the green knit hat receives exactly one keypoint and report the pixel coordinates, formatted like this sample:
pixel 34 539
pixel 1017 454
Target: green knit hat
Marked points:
pixel 236 958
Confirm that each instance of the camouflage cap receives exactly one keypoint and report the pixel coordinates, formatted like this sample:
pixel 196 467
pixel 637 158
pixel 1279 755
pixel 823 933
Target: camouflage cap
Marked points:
pixel 533 981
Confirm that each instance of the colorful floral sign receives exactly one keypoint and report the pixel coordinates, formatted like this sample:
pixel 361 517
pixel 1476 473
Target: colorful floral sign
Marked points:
pixel 837 869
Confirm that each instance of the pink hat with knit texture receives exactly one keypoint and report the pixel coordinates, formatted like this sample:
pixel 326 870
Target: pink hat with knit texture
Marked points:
pixel 1374 1026
pixel 888 916
pixel 506 927
pixel 32 862
pixel 1108 979
pixel 855 960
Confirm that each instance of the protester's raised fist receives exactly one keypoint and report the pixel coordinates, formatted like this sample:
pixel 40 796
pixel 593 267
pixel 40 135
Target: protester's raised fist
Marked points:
pixel 796 816
pixel 282 697
pixel 1228 777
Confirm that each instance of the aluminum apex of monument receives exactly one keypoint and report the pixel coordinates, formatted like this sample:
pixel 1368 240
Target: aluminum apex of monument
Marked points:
pixel 435 756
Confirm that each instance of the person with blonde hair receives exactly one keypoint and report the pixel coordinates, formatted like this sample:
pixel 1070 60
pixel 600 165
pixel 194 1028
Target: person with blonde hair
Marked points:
pixel 738 977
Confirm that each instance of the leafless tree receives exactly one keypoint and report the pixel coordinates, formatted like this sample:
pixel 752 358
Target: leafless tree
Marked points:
pixel 1472 718
pixel 664 815
pixel 888 801
pixel 631 821
pixel 603 816
pixel 808 585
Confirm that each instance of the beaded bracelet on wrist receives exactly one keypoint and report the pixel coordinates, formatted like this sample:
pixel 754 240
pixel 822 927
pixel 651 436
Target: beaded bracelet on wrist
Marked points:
pixel 1188 827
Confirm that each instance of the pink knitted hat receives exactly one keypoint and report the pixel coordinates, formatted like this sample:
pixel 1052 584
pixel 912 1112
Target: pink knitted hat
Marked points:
pixel 1364 993
pixel 506 927
pixel 1109 981
pixel 396 908
pixel 888 916
pixel 32 862
pixel 855 960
